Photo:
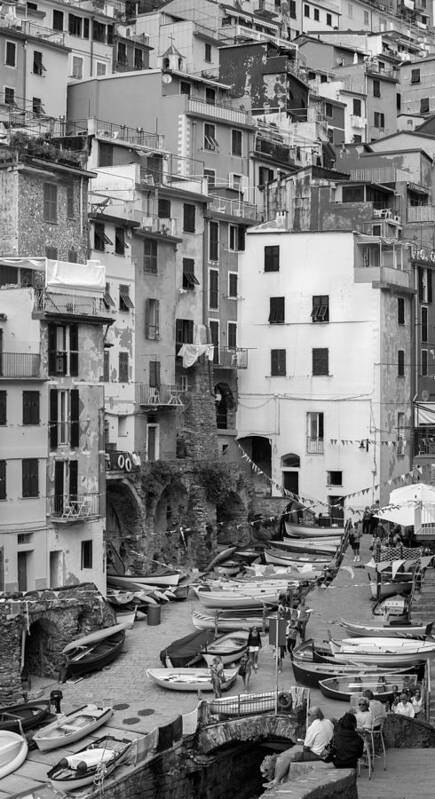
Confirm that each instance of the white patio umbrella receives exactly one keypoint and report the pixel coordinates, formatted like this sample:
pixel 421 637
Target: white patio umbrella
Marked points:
pixel 403 502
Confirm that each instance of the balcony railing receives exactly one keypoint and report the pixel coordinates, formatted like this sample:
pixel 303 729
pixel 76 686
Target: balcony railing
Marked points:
pixel 219 112
pixel 240 208
pixel 30 28
pixel 421 213
pixel 167 227
pixel 74 507
pixel 113 130
pixel 19 364
pixel 49 302
pixel 315 446
pixel 243 32
pixel 387 174
pixel 230 357
pixel 357 121
pixel 424 441
pixel 169 396
pixel 121 461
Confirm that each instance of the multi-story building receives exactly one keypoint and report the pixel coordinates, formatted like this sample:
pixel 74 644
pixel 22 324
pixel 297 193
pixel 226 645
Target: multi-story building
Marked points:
pixel 417 86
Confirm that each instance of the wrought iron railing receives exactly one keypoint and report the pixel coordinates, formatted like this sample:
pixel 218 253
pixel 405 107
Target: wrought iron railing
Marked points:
pixel 159 395
pixel 315 446
pixel 77 305
pixel 231 357
pixel 240 208
pixel 19 364
pixel 74 507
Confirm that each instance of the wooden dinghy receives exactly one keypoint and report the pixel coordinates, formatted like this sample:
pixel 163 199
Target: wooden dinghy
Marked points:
pixel 228 621
pixel 237 598
pixel 93 638
pixel 189 679
pixel 384 652
pixel 72 727
pixel 243 704
pixel 306 546
pixel 229 647
pixel 302 531
pixel 25 716
pixel 85 658
pixel 83 768
pixel 383 685
pixel 279 558
pixel 13 752
pixel 312 662
pixel 403 631
pixel 299 558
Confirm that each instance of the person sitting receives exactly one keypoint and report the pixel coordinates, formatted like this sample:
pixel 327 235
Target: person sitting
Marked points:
pixel 347 746
pixel 363 715
pixel 377 709
pixel 404 706
pixel 318 736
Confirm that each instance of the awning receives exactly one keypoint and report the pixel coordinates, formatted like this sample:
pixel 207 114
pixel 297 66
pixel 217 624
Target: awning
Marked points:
pixel 425 414
pixel 404 515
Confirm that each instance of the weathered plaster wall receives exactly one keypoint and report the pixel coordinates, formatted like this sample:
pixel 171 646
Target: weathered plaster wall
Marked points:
pixel 8 212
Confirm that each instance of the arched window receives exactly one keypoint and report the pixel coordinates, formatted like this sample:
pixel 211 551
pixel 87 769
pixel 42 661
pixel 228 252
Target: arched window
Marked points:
pixel 290 461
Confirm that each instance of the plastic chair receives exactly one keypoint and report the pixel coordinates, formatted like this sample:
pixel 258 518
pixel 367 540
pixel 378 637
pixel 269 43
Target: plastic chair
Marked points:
pixel 377 743
pixel 366 759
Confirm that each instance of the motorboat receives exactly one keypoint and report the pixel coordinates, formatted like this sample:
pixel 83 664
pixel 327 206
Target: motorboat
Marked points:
pixel 24 716
pixel 420 631
pixel 189 679
pixel 72 727
pixel 13 751
pixel 383 685
pixel 98 759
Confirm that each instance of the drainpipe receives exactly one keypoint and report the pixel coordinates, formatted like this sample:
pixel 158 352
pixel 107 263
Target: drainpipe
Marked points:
pixel 25 76
pixel 91 52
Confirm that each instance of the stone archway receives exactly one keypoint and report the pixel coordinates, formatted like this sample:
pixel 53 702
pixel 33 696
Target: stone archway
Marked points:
pixel 259 450
pixel 231 518
pixel 41 651
pixel 124 515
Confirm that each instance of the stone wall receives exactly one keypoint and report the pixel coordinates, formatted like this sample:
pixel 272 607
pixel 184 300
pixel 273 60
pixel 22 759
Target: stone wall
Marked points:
pixel 402 732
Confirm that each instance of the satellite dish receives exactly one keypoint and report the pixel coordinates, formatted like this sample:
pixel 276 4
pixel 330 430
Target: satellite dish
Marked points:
pixel 425 395
pixel 166 78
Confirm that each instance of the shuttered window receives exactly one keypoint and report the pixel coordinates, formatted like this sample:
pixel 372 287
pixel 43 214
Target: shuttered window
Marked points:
pixel 320 312
pixel 188 218
pixel 3 407
pixel 213 245
pixel 30 407
pixel 189 278
pixel 30 477
pixel 278 363
pixel 74 350
pixel 271 258
pixel 123 367
pixel 320 358
pixel 125 303
pixel 2 479
pixel 154 374
pixel 184 331
pixel 50 202
pixel 150 256
pixel 74 412
pixel 53 431
pixel 276 310
pixel 152 314
pixel 213 289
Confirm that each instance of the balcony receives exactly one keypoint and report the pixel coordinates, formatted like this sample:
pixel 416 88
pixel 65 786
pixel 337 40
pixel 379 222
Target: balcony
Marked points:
pixel 113 131
pixel 243 32
pixel 421 213
pixel 424 441
pixel 47 302
pixel 220 112
pixel 30 28
pixel 387 174
pixel 315 446
pixel 122 462
pixel 19 364
pixel 381 263
pixel 154 224
pixel 358 122
pixel 159 396
pixel 69 509
pixel 238 208
pixel 230 358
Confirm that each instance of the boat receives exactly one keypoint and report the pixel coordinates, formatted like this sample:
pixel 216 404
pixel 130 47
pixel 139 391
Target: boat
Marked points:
pixel 189 679
pixel 272 572
pixel 396 608
pixel 13 751
pixel 84 658
pixel 72 727
pixel 383 685
pixel 229 647
pixel 302 531
pixel 312 662
pixel 243 704
pixel 228 569
pixel 317 546
pixel 132 584
pixel 119 598
pixel 381 651
pixel 279 558
pixel 237 598
pixel 42 791
pixel 180 593
pixel 221 557
pixel 187 651
pixel 403 631
pixel 94 637
pixel 385 588
pixel 227 621
pixel 24 716
pixel 101 757
pixel 299 558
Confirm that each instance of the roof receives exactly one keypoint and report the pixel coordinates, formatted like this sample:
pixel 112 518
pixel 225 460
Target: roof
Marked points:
pixel 172 50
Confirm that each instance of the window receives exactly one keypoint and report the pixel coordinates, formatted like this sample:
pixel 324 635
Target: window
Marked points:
pixel 38 66
pixel 30 482
pixel 424 363
pixel 213 244
pixel 400 363
pixel 320 312
pixel 152 313
pixel 189 279
pixel 424 324
pixel 106 366
pixel 150 256
pixel 138 59
pixel 400 426
pixel 356 107
pixel 335 478
pixel 328 109
pixel 125 303
pixel 2 479
pixel 11 54
pixel 101 68
pixel 276 310
pixel 278 363
pixel 164 209
pixel 376 88
pixel 63 350
pixel 210 176
pixel 415 76
pixel 236 142
pixel 64 427
pixel 86 554
pixel 122 52
pixel 50 202
pixel 329 19
pixel 213 289
pixel 271 258
pixel 100 238
pixel 210 96
pixel 424 105
pixel 316 14
pixel 214 338
pixel 306 11
pixel 350 10
pixel 207 53
pixel 366 18
pixel 232 335
pixel 292 9
pixel 3 406
pixel 154 376
pixel 120 244
pixel 123 367
pixel 72 256
pixel 31 407
pixel 77 67
pixel 265 176
pixel 401 311
pixel 37 107
pixel 74 25
pixel 185 88
pixel 70 211
pixel 233 238
pixel 210 142
pixel 320 359
pixel 152 442
pixel 424 285
pixel 57 24
pixel 315 428
pixel 51 252
pixel 379 120
pixel 188 218
pixel 9 96
pixel 98 31
pixel 235 181
pixel 232 285
pixel 183 331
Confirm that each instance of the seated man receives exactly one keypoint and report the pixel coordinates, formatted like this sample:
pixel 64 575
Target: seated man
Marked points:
pixel 377 709
pixel 319 735
pixel 363 714
pixel 404 706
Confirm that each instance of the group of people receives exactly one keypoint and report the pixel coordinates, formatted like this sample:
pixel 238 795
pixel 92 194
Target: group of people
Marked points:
pixel 248 664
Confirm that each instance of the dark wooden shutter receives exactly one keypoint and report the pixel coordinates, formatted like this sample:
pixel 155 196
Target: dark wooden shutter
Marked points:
pixel 51 349
pixel 154 374
pixel 429 285
pixel 73 479
pixel 74 407
pixel 420 284
pixel 58 486
pixel 74 350
pixel 53 418
pixel 30 477
pixel 321 361
pixel 3 401
pixel 278 363
pixel 2 479
pixel 30 407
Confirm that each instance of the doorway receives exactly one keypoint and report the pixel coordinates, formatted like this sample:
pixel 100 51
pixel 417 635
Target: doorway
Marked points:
pixel 55 564
pixel 22 558
pixel 290 481
pixel 336 513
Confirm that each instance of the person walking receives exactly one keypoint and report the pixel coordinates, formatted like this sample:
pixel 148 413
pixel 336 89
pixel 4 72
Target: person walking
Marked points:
pixel 302 619
pixel 245 670
pixel 217 675
pixel 254 646
pixel 354 541
pixel 291 635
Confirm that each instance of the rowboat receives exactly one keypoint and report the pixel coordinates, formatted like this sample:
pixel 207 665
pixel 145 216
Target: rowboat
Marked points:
pixel 229 647
pixel 312 662
pixel 243 704
pixel 317 546
pixel 24 716
pixel 189 679
pixel 13 751
pixel 402 631
pixel 95 637
pixel 119 598
pixel 301 531
pixel 226 621
pixel 279 559
pixel 299 558
pixel 272 572
pixel 133 585
pixel 381 651
pixel 237 598
pixel 98 758
pixel 162 577
pixel 84 658
pixel 72 727
pixel 383 685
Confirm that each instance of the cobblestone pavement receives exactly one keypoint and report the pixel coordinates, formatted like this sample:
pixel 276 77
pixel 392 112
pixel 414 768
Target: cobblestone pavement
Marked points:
pixel 125 682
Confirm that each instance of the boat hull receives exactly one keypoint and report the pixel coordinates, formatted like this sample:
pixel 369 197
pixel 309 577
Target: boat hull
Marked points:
pixel 28 715
pixel 229 647
pixel 228 623
pixel 235 599
pixel 275 558
pixel 306 546
pixel 300 531
pixel 95 657
pixel 68 779
pixel 408 631
pixel 189 679
pixel 244 704
pixel 382 684
pixel 13 752
pixel 73 727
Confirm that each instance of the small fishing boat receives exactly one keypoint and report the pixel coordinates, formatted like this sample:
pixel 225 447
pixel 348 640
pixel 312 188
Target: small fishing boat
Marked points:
pixel 72 727
pixel 82 658
pixel 227 621
pixel 403 631
pixel 278 558
pixel 316 546
pixel 272 572
pixel 383 685
pixel 13 752
pixel 300 557
pixel 83 768
pixel 94 637
pixel 220 558
pixel 302 531
pixel 189 679
pixel 25 716
pixel 229 647
pixel 243 704
pixel 187 651
pixel 381 651
pixel 237 598
pixel 312 662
